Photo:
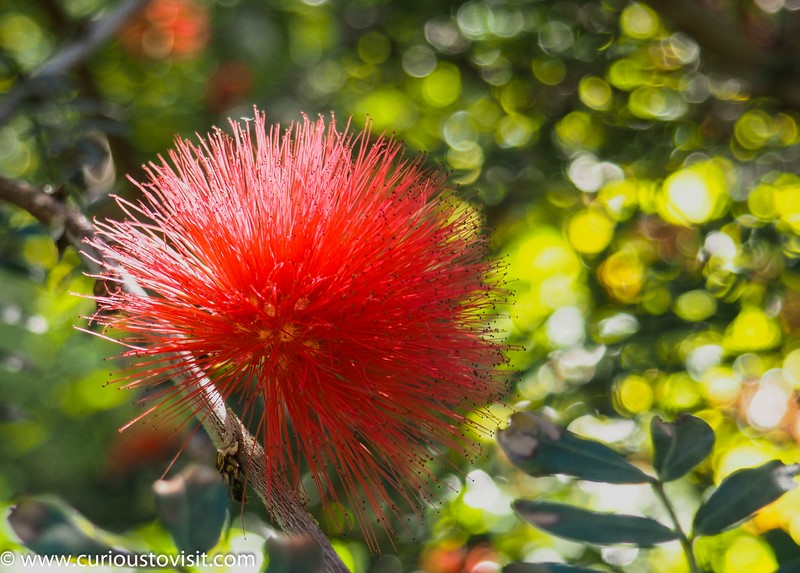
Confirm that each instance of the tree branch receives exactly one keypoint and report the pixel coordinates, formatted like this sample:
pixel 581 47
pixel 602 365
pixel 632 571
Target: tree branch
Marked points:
pixel 70 55
pixel 221 424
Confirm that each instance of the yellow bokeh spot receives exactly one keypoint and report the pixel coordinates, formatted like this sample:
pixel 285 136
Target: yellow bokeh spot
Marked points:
pixel 743 456
pixel 88 395
pixel 388 108
pixel 666 559
pixel 794 528
pixel 590 232
pixel 754 129
pixel 678 392
pixel 469 156
pixel 786 197
pixel 695 305
pixel 634 395
pixel 791 518
pixel 549 71
pixel 20 436
pixel 656 300
pixel 595 93
pixel 16 157
pixel 544 272
pixel 761 203
pixel 513 96
pixel 648 195
pixel 695 194
pixel 619 197
pixel 722 385
pixel 752 330
pixel 41 251
pixel 577 131
pixel 639 21
pixel 769 517
pixel 648 102
pixel 749 555
pixel 786 129
pixel 622 275
pixel 345 554
pixel 23 37
pixel 514 130
pixel 489 422
pixel 791 367
pixel 627 74
pixel 373 48
pixel 443 86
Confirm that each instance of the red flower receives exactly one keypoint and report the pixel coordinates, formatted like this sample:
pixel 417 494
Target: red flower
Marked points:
pixel 336 288
pixel 168 29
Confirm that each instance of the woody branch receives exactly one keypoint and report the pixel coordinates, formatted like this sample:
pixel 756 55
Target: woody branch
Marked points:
pixel 221 424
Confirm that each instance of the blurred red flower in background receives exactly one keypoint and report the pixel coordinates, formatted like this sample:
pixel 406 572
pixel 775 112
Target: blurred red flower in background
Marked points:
pixel 141 446
pixel 168 29
pixel 337 289
pixel 228 85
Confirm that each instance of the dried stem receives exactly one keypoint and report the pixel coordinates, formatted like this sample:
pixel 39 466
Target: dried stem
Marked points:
pixel 221 424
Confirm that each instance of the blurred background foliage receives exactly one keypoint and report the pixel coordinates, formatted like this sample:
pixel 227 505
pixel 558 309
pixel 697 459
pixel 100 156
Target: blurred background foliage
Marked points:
pixel 639 166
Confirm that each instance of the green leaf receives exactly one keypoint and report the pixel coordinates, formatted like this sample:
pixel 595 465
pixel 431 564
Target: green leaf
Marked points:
pixel 590 527
pixel 542 448
pixel 301 554
pixel 680 445
pixel 743 493
pixel 50 527
pixel 546 568
pixel 194 507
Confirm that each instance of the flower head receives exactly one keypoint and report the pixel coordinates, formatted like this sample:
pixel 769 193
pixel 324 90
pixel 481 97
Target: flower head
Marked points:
pixel 334 287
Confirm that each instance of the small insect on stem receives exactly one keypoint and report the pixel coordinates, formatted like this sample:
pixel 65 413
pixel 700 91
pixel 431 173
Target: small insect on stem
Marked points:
pixel 106 287
pixel 233 476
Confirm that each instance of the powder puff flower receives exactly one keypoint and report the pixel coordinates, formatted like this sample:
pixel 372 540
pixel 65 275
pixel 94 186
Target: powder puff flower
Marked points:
pixel 335 289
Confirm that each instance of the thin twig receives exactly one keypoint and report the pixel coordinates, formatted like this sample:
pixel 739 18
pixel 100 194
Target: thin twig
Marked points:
pixel 686 543
pixel 221 424
pixel 70 55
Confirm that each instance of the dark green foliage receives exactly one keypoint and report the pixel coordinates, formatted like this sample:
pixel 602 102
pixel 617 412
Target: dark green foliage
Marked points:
pixel 680 445
pixel 541 448
pixel 293 555
pixel 591 527
pixel 49 527
pixel 194 507
pixel 743 493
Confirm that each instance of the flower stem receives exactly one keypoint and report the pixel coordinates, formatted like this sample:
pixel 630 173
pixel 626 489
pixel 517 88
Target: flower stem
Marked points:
pixel 686 543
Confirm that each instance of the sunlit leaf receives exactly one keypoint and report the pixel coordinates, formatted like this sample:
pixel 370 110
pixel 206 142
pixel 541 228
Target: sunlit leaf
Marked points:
pixel 194 507
pixel 50 527
pixel 590 527
pixel 542 448
pixel 680 445
pixel 743 493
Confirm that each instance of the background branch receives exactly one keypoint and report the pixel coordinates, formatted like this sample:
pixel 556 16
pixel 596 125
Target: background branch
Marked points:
pixel 221 424
pixel 68 56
